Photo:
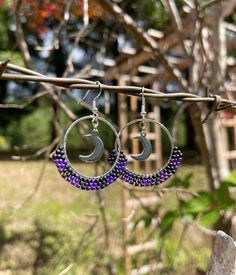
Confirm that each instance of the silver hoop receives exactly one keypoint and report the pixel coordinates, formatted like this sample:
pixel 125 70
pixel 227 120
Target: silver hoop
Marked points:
pixel 79 180
pixel 147 120
pixel 162 174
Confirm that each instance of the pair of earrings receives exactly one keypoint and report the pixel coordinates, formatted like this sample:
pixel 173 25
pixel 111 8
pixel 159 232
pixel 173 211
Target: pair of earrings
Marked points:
pixel 117 158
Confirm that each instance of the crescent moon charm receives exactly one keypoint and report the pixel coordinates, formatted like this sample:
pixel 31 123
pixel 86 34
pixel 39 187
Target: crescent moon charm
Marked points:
pixel 147 148
pixel 98 148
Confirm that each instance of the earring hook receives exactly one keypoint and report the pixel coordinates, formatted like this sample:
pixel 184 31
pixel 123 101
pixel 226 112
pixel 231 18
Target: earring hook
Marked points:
pixel 143 112
pixel 94 107
pixel 100 90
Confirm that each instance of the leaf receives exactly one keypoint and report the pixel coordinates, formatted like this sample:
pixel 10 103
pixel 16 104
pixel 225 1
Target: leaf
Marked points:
pixel 186 181
pixel 198 204
pixel 209 218
pixel 227 204
pixel 231 180
pixel 168 221
pixel 180 182
pixel 147 221
pixel 222 194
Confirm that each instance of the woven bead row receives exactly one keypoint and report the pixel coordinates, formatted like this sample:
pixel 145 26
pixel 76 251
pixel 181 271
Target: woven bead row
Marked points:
pixel 82 182
pixel 153 179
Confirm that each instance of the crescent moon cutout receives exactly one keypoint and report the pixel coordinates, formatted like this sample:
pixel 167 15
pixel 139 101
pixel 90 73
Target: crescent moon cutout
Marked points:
pixel 147 148
pixel 98 148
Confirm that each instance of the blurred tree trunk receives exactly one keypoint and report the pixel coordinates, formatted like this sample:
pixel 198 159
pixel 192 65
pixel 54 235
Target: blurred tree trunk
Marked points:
pixel 209 134
pixel 216 69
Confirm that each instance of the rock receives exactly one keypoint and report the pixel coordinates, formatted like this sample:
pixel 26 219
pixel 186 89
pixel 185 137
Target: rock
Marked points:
pixel 223 257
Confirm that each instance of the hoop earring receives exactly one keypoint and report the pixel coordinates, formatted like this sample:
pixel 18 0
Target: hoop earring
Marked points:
pixel 165 172
pixel 70 174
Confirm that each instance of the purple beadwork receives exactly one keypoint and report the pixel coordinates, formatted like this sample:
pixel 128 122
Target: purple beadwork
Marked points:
pixel 153 179
pixel 88 183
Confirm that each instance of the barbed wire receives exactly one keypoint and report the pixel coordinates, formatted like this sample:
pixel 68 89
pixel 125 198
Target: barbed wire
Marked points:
pixel 22 74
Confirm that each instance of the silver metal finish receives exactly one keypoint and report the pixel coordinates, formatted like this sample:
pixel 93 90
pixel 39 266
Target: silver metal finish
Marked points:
pixel 152 121
pixel 117 141
pixel 98 148
pixel 147 120
pixel 147 148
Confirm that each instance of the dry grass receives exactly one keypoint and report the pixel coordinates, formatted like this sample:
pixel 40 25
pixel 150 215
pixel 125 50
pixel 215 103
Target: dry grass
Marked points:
pixel 59 208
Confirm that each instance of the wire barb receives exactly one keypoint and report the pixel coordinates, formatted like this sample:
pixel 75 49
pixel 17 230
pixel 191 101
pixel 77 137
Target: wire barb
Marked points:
pixel 3 66
pixel 26 75
pixel 213 108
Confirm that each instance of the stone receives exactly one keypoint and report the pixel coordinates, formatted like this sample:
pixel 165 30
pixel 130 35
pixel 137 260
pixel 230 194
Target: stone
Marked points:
pixel 223 258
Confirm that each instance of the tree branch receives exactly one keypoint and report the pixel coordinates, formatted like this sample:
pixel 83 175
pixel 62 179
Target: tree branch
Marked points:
pixel 143 37
pixel 175 16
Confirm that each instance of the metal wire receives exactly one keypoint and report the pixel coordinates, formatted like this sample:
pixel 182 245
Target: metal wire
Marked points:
pixel 75 83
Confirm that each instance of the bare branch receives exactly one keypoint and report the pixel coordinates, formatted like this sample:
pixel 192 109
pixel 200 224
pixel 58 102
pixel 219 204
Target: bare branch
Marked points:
pixel 175 16
pixel 29 101
pixel 57 32
pixel 211 3
pixel 70 67
pixel 3 66
pixel 201 228
pixel 143 37
pixel 160 190
pixel 20 35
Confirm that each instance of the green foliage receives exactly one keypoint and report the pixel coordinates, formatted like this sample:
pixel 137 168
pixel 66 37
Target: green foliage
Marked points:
pixel 33 129
pixel 167 222
pixel 180 182
pixel 3 143
pixel 198 204
pixel 205 206
pixel 176 259
pixel 159 17
pixel 51 240
pixel 15 57
pixel 4 30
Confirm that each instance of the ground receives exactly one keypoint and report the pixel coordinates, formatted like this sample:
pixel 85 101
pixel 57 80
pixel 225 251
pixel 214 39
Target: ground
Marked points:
pixel 53 230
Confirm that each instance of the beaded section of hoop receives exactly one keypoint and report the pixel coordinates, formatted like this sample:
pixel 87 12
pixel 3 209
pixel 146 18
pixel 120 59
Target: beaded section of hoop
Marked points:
pixel 152 179
pixel 83 182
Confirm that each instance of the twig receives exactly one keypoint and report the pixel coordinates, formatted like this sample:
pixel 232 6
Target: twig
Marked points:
pixel 39 180
pixel 66 270
pixel 69 65
pixel 27 59
pixel 36 187
pixel 211 3
pixel 159 190
pixel 188 3
pixel 201 228
pixel 25 104
pixel 43 151
pixel 3 66
pixel 57 32
pixel 179 190
pixel 174 13
pixel 143 37
pixel 20 34
pixel 83 239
